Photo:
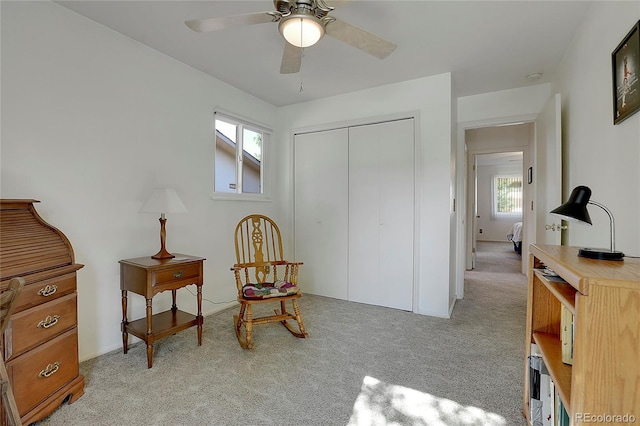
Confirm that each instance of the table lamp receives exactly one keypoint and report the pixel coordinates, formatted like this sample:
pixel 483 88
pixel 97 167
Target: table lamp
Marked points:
pixel 575 210
pixel 163 200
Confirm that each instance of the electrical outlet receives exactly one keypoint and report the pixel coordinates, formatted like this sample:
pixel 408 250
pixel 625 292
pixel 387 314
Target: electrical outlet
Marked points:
pixel 481 230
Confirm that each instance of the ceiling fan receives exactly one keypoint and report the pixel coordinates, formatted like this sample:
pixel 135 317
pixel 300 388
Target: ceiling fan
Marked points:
pixel 302 23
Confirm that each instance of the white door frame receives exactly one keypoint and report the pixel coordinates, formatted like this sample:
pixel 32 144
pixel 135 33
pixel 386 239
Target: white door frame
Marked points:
pixel 463 250
pixel 471 196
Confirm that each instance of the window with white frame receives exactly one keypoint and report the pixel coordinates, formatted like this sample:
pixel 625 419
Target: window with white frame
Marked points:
pixel 507 195
pixel 239 156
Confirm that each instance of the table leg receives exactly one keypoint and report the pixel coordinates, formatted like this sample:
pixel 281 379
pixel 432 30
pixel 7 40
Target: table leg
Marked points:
pixel 200 319
pixel 149 333
pixel 125 335
pixel 174 307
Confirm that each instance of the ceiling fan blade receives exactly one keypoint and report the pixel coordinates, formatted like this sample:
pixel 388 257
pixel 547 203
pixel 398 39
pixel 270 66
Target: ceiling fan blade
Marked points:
pixel 357 37
pixel 291 59
pixel 222 22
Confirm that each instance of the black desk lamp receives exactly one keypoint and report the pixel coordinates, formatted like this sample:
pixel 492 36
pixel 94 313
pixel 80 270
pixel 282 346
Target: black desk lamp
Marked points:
pixel 575 209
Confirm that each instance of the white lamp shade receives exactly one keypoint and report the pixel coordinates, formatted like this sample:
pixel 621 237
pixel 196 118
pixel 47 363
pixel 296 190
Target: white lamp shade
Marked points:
pixel 163 200
pixel 301 31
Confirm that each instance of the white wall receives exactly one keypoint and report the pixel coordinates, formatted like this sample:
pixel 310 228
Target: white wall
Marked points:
pixel 91 122
pixel 431 97
pixel 505 106
pixel 596 153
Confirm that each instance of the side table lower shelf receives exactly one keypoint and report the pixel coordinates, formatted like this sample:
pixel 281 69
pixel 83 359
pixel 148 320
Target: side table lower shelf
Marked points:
pixel 163 324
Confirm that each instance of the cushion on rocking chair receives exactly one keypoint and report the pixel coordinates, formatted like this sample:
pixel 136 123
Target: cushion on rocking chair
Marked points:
pixel 266 290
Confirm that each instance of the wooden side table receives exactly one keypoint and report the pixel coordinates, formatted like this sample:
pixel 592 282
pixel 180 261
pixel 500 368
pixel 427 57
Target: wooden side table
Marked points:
pixel 147 277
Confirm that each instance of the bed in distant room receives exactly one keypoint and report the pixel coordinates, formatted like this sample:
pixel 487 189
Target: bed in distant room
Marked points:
pixel 515 236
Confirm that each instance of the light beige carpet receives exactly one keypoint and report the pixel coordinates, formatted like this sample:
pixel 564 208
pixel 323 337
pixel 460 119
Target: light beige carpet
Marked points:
pixel 360 365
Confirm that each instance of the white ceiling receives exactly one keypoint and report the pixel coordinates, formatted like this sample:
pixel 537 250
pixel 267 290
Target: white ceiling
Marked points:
pixel 486 45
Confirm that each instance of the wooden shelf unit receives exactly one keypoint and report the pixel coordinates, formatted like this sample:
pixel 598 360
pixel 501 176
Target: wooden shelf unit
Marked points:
pixel 604 297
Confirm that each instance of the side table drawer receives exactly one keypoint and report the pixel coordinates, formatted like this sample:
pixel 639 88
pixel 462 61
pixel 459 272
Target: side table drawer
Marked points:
pixel 34 326
pixel 174 278
pixel 44 370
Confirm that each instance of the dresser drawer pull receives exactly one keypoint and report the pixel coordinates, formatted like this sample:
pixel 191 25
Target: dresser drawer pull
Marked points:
pixel 51 368
pixel 49 321
pixel 178 274
pixel 48 290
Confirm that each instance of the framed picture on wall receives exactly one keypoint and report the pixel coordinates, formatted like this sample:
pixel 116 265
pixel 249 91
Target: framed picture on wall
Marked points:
pixel 625 61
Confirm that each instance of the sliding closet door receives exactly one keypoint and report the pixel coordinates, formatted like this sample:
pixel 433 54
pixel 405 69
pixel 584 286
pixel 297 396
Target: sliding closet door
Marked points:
pixel 381 214
pixel 321 217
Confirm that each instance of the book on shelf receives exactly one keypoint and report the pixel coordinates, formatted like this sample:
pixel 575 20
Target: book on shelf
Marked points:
pixel 550 275
pixel 535 370
pixel 553 402
pixel 566 334
pixel 546 396
pixel 562 416
pixel 542 391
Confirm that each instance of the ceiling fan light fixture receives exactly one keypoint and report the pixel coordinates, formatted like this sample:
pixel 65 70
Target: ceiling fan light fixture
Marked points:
pixel 301 30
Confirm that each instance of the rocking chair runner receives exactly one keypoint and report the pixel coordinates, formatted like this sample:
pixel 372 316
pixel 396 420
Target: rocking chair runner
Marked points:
pixel 7 303
pixel 263 276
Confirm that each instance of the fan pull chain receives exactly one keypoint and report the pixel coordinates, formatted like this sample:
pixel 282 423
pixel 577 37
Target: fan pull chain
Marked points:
pixel 301 56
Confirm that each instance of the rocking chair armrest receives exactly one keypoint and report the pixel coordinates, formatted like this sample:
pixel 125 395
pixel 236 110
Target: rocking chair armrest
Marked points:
pixel 240 266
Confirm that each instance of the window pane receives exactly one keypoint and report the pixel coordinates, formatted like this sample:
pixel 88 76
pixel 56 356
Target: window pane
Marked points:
pixel 225 164
pixel 239 156
pixel 251 162
pixel 509 195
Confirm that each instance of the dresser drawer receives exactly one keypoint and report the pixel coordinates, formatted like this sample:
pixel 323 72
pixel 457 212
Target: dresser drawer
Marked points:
pixel 40 372
pixel 34 326
pixel 174 278
pixel 44 291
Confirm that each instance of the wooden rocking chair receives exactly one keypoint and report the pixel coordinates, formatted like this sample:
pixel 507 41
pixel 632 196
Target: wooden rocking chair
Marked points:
pixel 263 276
pixel 7 300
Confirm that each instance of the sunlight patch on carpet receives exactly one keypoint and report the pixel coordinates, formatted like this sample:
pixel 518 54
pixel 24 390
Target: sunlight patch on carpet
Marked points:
pixel 381 404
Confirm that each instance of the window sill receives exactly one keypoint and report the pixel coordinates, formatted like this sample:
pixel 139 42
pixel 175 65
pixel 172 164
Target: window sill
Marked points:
pixel 241 197
pixel 507 216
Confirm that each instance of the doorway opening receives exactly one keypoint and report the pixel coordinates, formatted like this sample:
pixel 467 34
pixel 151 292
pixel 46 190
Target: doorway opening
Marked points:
pixel 498 203
pixel 498 190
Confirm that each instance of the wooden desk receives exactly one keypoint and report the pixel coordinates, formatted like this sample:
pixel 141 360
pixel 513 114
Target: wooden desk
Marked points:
pixel 147 277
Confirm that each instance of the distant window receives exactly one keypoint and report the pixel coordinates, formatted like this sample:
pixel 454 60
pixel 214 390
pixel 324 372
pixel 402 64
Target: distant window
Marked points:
pixel 507 199
pixel 239 156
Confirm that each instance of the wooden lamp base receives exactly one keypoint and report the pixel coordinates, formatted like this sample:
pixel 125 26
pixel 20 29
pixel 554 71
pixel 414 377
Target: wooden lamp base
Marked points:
pixel 163 253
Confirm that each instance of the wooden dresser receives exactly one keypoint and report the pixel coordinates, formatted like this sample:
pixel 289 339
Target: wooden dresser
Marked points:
pixel 40 344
